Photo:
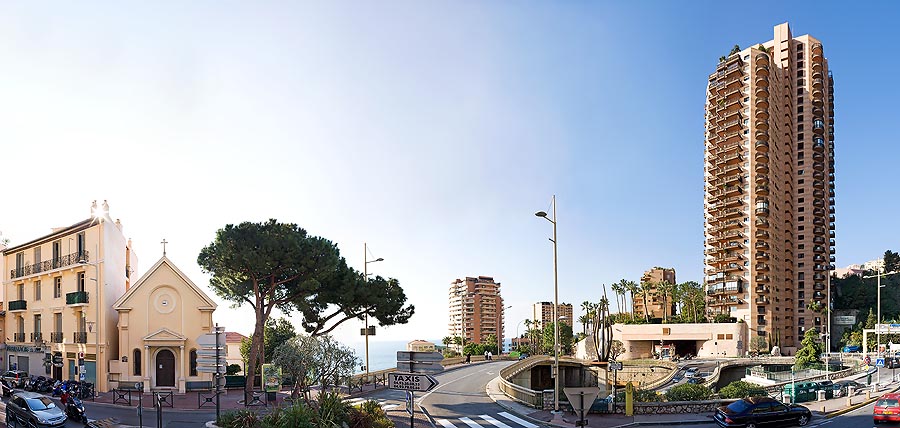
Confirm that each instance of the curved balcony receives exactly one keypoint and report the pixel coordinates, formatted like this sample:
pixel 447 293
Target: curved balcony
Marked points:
pixel 817 48
pixel 762 146
pixel 818 249
pixel 818 126
pixel 817 56
pixel 762 157
pixel 762 102
pixel 819 258
pixel 761 59
pixel 819 221
pixel 817 101
pixel 819 286
pixel 762 278
pixel 817 83
pixel 818 295
pixel 818 184
pixel 762 212
pixel 818 175
pixel 762 70
pixel 762 91
pixel 762 113
pixel 762 222
pixel 818 145
pixel 818 193
pixel 762 190
pixel 817 74
pixel 762 234
pixel 762 267
pixel 762 135
pixel 818 157
pixel 819 203
pixel 762 256
pixel 819 240
pixel 762 168
pixel 818 212
pixel 760 245
pixel 816 66
pixel 762 289
pixel 761 300
pixel 818 166
pixel 762 81
pixel 817 93
pixel 762 180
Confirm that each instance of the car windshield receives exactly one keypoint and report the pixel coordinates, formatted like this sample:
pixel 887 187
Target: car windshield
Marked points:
pixel 38 404
pixel 738 406
pixel 887 402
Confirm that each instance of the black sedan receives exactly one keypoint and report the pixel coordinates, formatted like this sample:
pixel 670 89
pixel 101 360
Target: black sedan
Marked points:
pixel 761 411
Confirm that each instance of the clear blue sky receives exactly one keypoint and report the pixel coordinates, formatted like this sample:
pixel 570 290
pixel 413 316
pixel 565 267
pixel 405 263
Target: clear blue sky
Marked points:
pixel 432 130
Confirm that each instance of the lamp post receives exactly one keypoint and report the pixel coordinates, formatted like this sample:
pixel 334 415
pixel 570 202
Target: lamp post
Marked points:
pixel 366 315
pixel 499 333
pixel 878 323
pixel 98 214
pixel 543 215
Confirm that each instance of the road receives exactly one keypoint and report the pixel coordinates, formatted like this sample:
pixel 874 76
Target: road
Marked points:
pixel 460 399
pixel 172 418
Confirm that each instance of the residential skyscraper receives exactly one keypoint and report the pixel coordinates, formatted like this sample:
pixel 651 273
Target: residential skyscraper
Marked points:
pixel 543 313
pixel 655 306
pixel 476 310
pixel 769 194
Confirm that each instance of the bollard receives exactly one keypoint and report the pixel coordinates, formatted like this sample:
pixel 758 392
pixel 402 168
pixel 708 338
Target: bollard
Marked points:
pixel 820 395
pixel 868 395
pixel 849 401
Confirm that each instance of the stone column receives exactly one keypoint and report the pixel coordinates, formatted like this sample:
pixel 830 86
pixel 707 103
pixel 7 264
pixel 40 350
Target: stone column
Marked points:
pixel 148 364
pixel 181 369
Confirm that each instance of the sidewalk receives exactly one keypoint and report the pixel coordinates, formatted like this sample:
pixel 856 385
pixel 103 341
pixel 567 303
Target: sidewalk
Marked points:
pixel 820 409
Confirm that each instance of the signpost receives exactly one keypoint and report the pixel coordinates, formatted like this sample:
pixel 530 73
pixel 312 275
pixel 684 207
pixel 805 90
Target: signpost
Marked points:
pixel 414 376
pixel 581 399
pixel 211 358
pixel 615 366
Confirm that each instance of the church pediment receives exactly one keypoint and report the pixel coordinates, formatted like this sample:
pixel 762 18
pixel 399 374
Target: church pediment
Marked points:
pixel 164 335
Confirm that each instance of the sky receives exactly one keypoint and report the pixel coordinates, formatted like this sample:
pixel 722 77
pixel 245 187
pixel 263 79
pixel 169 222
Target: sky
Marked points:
pixel 430 130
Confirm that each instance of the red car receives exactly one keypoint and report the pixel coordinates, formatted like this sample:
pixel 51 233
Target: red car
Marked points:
pixel 887 408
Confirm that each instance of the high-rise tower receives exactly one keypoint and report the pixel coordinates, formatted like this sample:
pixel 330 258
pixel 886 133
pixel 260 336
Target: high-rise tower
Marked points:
pixel 476 311
pixel 769 194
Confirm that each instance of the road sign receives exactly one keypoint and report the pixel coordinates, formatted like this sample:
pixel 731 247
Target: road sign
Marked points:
pixel 407 366
pixel 208 341
pixel 409 402
pixel 212 352
pixel 868 360
pixel 879 362
pixel 411 382
pixel 615 365
pixel 419 356
pixel 581 399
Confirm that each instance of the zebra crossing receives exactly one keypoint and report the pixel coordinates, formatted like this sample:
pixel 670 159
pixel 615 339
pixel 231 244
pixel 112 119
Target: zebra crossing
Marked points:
pixel 486 421
pixel 383 403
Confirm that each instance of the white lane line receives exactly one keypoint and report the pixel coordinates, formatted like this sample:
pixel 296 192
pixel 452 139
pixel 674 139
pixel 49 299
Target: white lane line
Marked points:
pixel 390 406
pixel 419 400
pixel 494 421
pixel 525 424
pixel 470 423
pixel 445 423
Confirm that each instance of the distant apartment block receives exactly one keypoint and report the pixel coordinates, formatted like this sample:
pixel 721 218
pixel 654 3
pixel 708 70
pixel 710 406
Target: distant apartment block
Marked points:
pixel 769 186
pixel 655 307
pixel 542 312
pixel 476 310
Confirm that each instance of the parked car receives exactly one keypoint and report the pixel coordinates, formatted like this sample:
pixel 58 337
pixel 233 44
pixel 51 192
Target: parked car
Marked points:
pixel 851 348
pixel 887 409
pixel 842 387
pixel 34 410
pixel 696 380
pixel 891 362
pixel 761 411
pixel 16 378
pixel 523 356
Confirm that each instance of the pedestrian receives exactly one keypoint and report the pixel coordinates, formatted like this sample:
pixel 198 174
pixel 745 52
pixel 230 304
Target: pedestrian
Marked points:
pixel 485 355
pixel 468 358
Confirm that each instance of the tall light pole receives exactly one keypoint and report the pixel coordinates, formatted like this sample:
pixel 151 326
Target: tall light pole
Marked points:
pixel 555 307
pixel 878 323
pixel 499 318
pixel 98 214
pixel 366 316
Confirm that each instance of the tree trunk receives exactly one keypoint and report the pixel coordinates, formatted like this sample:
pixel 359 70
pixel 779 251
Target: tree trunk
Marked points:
pixel 256 349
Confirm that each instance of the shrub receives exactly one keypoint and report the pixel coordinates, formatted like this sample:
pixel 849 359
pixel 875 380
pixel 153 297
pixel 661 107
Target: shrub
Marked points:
pixel 232 369
pixel 641 396
pixel 688 392
pixel 240 419
pixel 333 411
pixel 741 389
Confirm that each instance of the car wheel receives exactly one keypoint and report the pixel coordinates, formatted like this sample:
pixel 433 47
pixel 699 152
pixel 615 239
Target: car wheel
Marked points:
pixel 750 425
pixel 804 419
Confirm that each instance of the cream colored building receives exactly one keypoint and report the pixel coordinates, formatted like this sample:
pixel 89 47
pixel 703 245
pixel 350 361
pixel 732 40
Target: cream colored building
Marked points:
pixel 543 313
pixel 420 346
pixel 769 194
pixel 160 319
pixel 667 340
pixel 233 342
pixel 59 290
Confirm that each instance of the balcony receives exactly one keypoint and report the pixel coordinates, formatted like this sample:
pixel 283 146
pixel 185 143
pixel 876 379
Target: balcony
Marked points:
pixel 760 245
pixel 56 337
pixel 817 48
pixel 762 146
pixel 37 337
pixel 762 70
pixel 762 102
pixel 762 234
pixel 762 91
pixel 762 211
pixel 761 222
pixel 762 256
pixel 762 267
pixel 818 249
pixel 819 286
pixel 762 289
pixel 818 184
pixel 80 336
pixel 78 298
pixel 47 265
pixel 817 83
pixel 762 168
pixel 18 305
pixel 818 145
pixel 819 240
pixel 18 337
pixel 761 300
pixel 762 124
pixel 761 59
pixel 762 190
pixel 762 278
pixel 818 166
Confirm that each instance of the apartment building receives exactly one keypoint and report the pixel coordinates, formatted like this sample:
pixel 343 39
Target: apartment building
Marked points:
pixel 59 290
pixel 476 310
pixel 542 312
pixel 769 186
pixel 656 308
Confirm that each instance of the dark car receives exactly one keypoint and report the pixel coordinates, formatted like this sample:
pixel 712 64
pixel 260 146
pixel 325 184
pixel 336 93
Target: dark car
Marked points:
pixel 761 411
pixel 34 410
pixel 892 362
pixel 842 387
pixel 696 380
pixel 16 378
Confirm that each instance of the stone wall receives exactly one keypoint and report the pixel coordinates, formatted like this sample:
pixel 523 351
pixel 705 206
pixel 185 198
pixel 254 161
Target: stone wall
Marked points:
pixel 675 407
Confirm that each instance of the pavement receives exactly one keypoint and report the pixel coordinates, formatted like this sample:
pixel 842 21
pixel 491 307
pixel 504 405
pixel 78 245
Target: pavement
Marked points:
pixel 821 409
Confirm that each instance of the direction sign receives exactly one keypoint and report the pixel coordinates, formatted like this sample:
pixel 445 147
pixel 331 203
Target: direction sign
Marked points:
pixel 615 365
pixel 212 352
pixel 208 340
pixel 416 367
pixel 411 382
pixel 419 356
pixel 879 362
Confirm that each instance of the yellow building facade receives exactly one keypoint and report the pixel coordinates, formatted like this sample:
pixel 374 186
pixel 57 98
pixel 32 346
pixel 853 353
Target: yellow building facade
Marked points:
pixel 160 319
pixel 58 293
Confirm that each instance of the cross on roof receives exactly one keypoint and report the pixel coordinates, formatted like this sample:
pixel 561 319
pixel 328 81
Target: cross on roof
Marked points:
pixel 164 242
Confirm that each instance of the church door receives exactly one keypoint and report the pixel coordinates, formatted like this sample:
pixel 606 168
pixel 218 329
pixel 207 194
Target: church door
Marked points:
pixel 165 368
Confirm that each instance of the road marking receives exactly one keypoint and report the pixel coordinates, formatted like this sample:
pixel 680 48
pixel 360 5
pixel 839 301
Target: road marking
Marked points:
pixel 525 424
pixel 494 421
pixel 389 406
pixel 470 422
pixel 445 423
pixel 419 400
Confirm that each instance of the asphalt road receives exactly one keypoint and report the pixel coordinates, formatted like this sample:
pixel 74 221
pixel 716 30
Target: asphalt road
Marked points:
pixel 171 418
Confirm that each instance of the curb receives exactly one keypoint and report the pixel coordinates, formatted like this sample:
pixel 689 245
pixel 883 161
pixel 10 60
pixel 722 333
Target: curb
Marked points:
pixel 510 409
pixel 664 423
pixel 857 406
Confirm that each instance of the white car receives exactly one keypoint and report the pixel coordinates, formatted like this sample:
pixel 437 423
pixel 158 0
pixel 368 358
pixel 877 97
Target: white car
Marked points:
pixel 691 372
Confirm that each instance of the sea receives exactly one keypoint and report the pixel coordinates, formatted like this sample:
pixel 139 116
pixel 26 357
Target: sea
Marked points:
pixel 383 353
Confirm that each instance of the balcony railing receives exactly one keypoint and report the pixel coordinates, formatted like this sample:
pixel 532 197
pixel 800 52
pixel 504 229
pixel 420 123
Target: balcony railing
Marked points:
pixel 56 337
pixel 37 337
pixel 77 298
pixel 50 264
pixel 18 337
pixel 18 305
pixel 80 337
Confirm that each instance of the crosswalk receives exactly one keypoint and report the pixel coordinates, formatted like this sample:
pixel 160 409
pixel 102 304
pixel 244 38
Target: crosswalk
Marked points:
pixel 383 403
pixel 486 421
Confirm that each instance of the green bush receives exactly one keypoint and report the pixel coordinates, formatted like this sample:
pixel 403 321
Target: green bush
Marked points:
pixel 369 414
pixel 741 389
pixel 330 411
pixel 641 396
pixel 688 392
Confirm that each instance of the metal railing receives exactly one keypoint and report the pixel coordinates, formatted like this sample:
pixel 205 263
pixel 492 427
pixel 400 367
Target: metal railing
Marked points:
pixel 18 337
pixel 76 298
pixel 56 337
pixel 46 265
pixel 80 337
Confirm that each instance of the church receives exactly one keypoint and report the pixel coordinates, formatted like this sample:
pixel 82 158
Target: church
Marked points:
pixel 161 318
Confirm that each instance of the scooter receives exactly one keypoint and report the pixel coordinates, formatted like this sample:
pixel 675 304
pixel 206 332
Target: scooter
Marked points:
pixel 6 388
pixel 75 410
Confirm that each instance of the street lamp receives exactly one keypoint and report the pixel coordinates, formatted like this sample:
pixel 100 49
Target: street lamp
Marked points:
pixel 543 215
pixel 878 324
pixel 98 214
pixel 500 345
pixel 366 262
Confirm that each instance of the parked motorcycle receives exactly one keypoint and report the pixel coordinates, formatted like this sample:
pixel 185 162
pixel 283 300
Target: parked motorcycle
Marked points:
pixel 6 388
pixel 75 410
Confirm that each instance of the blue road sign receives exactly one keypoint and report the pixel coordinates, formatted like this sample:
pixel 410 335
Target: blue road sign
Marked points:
pixel 879 362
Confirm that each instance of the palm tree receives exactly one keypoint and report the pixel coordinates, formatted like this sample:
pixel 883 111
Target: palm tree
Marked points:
pixel 664 289
pixel 447 340
pixel 645 290
pixel 586 319
pixel 633 288
pixel 619 289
